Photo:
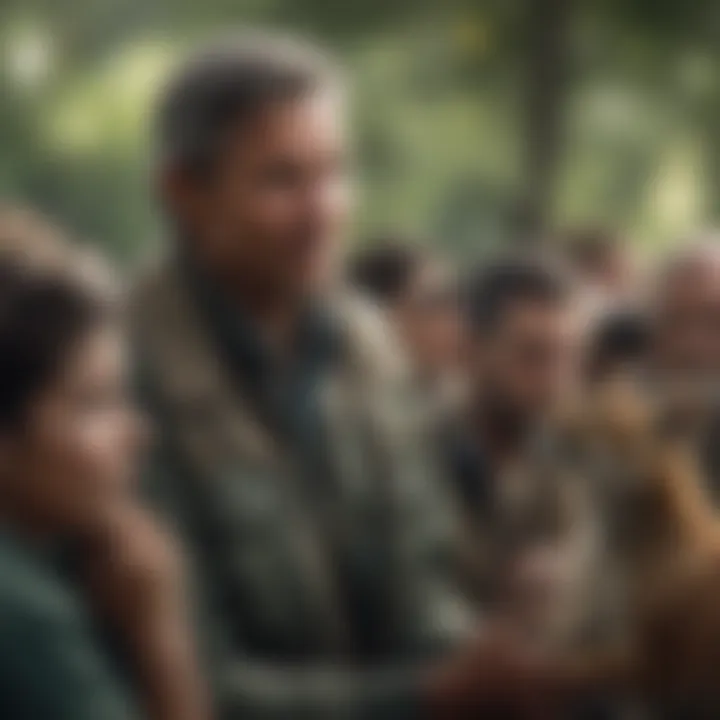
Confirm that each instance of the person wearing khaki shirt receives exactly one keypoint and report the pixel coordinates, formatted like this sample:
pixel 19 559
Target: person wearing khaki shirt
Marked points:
pixel 288 456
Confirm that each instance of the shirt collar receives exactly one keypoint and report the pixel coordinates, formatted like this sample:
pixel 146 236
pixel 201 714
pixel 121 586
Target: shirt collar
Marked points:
pixel 241 341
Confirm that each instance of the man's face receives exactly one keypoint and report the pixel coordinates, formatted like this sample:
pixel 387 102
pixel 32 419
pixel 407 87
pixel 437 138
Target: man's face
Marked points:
pixel 688 324
pixel 429 320
pixel 530 358
pixel 273 211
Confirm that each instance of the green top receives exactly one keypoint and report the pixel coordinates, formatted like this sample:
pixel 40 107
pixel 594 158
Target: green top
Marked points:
pixel 51 665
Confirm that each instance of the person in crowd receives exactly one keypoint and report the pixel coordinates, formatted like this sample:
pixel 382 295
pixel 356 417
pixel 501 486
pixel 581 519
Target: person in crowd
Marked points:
pixel 684 351
pixel 530 545
pixel 525 351
pixel 619 346
pixel 604 266
pixel 92 617
pixel 524 357
pixel 685 308
pixel 286 455
pixel 419 293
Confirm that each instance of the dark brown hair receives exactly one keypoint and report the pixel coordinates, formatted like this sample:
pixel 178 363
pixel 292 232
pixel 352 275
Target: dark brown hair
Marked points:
pixel 227 84
pixel 495 286
pixel 384 269
pixel 43 314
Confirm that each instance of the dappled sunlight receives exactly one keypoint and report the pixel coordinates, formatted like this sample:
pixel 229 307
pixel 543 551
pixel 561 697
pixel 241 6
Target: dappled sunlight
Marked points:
pixel 106 111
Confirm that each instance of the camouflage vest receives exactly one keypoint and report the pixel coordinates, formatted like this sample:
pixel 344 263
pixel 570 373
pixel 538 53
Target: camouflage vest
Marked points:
pixel 270 560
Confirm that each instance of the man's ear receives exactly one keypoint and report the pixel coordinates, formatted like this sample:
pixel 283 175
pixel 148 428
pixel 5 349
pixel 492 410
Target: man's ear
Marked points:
pixel 179 192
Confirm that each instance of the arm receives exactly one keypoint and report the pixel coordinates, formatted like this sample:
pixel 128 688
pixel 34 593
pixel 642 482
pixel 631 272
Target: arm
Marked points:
pixel 135 577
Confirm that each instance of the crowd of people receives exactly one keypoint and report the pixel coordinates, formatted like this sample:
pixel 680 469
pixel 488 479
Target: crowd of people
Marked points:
pixel 278 478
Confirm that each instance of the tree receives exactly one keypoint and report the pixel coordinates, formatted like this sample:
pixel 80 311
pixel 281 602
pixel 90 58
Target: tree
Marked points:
pixel 547 59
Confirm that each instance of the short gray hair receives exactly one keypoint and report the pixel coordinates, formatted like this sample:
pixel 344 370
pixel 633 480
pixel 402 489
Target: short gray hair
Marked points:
pixel 228 83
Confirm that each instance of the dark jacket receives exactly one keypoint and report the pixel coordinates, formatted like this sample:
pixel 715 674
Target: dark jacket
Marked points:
pixel 322 583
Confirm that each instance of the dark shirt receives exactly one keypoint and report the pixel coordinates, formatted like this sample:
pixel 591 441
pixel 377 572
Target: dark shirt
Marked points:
pixel 283 391
pixel 286 395
pixel 472 476
pixel 52 663
pixel 306 607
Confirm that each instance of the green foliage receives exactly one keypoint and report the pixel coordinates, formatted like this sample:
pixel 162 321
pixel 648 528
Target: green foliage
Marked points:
pixel 438 110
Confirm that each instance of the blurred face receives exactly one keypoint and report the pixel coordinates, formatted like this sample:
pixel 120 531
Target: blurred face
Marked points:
pixel 688 324
pixel 530 359
pixel 270 217
pixel 429 321
pixel 74 458
pixel 613 271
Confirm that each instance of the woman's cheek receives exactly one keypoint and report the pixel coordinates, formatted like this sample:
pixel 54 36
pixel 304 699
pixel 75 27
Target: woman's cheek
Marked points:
pixel 108 452
pixel 78 455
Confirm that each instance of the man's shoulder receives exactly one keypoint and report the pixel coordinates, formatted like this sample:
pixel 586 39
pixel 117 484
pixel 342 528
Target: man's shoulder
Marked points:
pixel 171 353
pixel 159 306
pixel 371 343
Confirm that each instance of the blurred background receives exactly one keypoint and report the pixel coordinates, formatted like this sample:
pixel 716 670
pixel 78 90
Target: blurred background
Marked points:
pixel 478 122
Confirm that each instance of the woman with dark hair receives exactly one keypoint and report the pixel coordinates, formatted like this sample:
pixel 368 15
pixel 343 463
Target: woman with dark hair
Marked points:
pixel 80 562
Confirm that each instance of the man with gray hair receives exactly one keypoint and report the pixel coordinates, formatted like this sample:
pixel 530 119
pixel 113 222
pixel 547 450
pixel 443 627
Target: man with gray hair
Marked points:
pixel 289 456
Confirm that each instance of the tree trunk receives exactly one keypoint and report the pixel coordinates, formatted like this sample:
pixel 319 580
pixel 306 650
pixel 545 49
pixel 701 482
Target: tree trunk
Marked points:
pixel 548 44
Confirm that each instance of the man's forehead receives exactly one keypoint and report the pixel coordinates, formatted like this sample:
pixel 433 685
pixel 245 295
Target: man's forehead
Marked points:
pixel 323 108
pixel 536 314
